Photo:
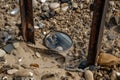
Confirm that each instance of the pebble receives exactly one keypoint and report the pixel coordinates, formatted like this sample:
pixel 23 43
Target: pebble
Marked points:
pixel 12 71
pixel 43 1
pixel 7 38
pixel 113 75
pixel 74 5
pixel 17 1
pixel 15 11
pixel 34 65
pixel 45 8
pixel 106 59
pixel 112 3
pixel 88 75
pixel 83 64
pixel 59 48
pixel 40 25
pixel 54 5
pixel 16 45
pixel 2 53
pixel 64 7
pixel 38 54
pixel 23 78
pixel 24 72
pixel 87 1
pixel 111 36
pixel 4 78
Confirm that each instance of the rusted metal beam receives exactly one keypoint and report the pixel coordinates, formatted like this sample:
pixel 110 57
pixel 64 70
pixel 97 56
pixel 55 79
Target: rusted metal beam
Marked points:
pixel 27 20
pixel 97 28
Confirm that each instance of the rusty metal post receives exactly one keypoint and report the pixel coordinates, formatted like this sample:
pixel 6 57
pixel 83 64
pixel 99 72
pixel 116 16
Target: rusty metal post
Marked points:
pixel 99 12
pixel 27 20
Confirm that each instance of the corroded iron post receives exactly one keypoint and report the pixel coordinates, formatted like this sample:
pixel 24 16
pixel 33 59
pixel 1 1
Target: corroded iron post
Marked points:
pixel 27 20
pixel 97 28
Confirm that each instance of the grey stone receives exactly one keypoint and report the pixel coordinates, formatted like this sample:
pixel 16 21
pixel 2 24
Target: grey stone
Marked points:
pixel 40 25
pixel 43 1
pixel 45 8
pixel 23 78
pixel 8 48
pixel 111 36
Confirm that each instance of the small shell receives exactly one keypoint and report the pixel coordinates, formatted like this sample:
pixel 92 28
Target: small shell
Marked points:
pixel 15 11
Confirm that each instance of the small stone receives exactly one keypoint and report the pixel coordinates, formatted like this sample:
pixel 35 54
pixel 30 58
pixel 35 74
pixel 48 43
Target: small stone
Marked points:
pixel 8 48
pixel 83 64
pixel 12 71
pixel 34 65
pixel 59 48
pixel 113 75
pixel 2 53
pixel 16 45
pixel 48 77
pixel 45 8
pixel 40 25
pixel 15 11
pixel 24 72
pixel 35 3
pixel 38 54
pixel 106 59
pixel 74 5
pixel 78 11
pixel 64 7
pixel 87 1
pixel 88 75
pixel 54 5
pixel 23 78
pixel 112 3
pixel 5 34
pixel 111 36
pixel 4 78
pixel 17 1
pixel 7 38
pixel 43 1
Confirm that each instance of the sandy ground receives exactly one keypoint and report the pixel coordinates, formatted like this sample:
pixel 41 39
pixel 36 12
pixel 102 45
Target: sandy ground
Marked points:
pixel 43 64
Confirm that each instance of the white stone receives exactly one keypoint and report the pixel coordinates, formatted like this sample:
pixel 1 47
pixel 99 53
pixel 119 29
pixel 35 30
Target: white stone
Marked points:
pixel 38 54
pixel 12 71
pixel 43 1
pixel 54 5
pixel 64 8
pixel 16 44
pixel 59 48
pixel 2 53
pixel 88 75
pixel 112 3
pixel 15 11
pixel 74 5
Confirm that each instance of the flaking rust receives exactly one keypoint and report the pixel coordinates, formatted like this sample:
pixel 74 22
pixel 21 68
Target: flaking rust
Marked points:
pixel 97 28
pixel 27 20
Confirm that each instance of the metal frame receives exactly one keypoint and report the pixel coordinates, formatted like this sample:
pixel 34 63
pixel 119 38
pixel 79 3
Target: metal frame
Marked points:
pixel 97 27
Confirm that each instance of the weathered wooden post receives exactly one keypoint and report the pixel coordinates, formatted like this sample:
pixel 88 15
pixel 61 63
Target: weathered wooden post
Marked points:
pixel 27 20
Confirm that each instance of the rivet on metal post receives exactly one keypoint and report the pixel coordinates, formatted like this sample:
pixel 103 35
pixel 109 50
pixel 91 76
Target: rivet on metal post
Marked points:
pixel 97 29
pixel 27 20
